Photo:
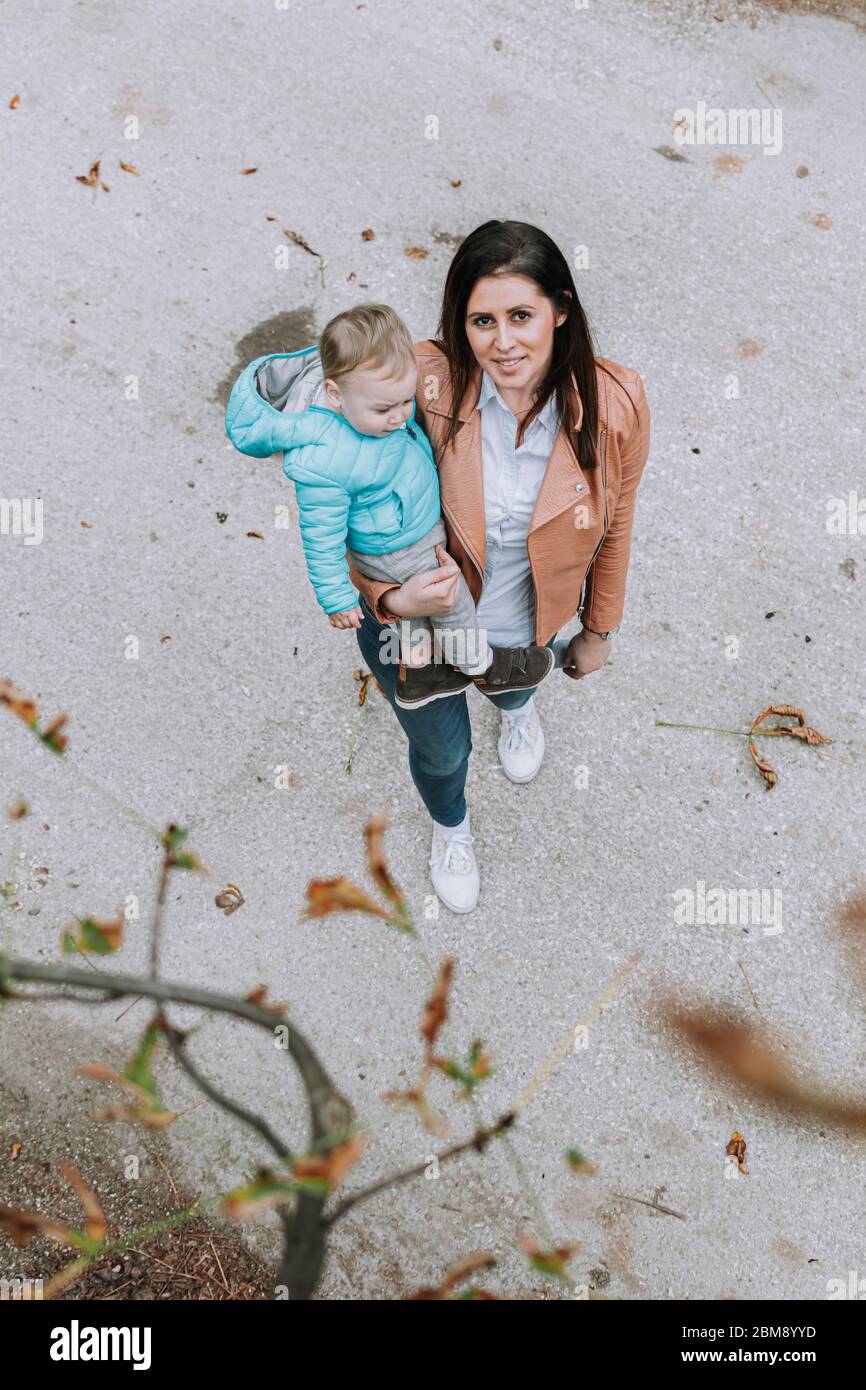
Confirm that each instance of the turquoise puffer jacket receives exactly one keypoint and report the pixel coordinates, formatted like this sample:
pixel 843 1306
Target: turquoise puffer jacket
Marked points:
pixel 376 495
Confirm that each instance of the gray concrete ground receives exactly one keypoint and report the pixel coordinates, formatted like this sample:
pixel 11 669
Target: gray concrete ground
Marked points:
pixel 739 596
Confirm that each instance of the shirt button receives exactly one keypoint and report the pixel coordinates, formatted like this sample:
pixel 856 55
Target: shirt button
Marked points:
pixel 579 487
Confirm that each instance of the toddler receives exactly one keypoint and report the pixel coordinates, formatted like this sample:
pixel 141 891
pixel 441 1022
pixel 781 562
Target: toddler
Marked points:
pixel 367 488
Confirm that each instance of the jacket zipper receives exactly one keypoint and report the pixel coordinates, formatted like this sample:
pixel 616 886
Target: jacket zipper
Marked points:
pixel 604 524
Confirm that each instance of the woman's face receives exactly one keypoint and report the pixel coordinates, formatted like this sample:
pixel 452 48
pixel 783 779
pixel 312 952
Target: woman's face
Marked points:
pixel 509 324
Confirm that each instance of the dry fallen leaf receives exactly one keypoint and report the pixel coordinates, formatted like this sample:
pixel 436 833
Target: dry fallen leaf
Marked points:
pixel 91 178
pixel 822 220
pixel 299 241
pixel 256 535
pixel 416 253
pixel 15 102
pixel 367 234
pixel 455 183
pixel 748 347
pixel 736 1148
pixel 129 168
pixel 18 810
pixel 436 1007
pixel 230 899
pixel 803 731
pixel 768 773
pixel 807 734
pixel 250 171
pixel 365 677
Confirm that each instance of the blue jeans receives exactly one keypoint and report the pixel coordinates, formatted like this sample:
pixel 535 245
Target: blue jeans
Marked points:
pixel 439 734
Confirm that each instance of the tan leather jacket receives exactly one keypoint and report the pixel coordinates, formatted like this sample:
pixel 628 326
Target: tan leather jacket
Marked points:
pixel 578 518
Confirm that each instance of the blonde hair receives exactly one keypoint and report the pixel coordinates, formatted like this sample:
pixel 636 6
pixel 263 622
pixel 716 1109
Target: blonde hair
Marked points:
pixel 366 335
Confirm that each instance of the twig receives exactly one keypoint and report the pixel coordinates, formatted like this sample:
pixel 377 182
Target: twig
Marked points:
pixel 479 1141
pixel 247 1117
pixel 355 732
pixel 742 966
pixel 713 729
pixel 553 1060
pixel 656 1206
pixel 219 1263
pixel 170 1179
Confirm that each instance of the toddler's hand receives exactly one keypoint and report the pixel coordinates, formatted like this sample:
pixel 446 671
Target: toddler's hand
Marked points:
pixel 353 617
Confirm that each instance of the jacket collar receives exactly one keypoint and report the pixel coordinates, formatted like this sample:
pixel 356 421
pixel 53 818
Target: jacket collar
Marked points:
pixel 548 416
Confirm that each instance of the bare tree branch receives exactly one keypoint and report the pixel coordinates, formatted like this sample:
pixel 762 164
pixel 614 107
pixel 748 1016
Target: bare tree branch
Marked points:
pixel 331 1115
pixel 247 1117
pixel 479 1141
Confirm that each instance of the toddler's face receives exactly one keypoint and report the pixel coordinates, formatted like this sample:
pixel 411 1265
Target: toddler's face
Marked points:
pixel 373 399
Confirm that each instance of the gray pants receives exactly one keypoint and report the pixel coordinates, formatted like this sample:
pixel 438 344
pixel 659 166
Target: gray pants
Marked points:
pixel 456 637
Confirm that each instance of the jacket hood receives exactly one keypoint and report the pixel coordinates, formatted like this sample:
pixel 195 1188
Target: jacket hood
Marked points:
pixel 267 409
pixel 290 383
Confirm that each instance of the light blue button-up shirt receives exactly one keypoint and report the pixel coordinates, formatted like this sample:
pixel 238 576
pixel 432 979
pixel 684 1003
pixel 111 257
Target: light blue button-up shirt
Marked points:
pixel 512 479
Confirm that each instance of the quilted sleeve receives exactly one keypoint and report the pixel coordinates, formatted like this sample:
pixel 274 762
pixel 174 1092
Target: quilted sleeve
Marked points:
pixel 323 507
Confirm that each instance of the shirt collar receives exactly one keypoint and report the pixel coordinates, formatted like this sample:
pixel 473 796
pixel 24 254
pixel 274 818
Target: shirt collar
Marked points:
pixel 548 416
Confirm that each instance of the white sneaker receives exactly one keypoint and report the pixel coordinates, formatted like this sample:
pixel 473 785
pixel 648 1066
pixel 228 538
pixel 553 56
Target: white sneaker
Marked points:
pixel 521 745
pixel 454 870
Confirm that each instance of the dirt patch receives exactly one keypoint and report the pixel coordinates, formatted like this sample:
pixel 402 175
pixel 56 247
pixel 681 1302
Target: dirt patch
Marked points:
pixel 47 1116
pixel 287 332
pixel 752 12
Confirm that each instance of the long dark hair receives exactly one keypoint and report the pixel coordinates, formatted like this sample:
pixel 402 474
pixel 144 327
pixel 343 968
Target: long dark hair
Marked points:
pixel 517 248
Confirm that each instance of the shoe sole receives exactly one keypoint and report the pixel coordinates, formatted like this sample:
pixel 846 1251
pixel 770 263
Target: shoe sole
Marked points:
pixel 428 699
pixel 451 906
pixel 510 689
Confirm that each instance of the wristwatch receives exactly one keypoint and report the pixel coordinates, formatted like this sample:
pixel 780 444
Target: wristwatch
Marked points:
pixel 606 635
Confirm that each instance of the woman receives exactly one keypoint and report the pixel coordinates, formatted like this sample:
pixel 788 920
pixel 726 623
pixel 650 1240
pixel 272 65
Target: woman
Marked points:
pixel 540 446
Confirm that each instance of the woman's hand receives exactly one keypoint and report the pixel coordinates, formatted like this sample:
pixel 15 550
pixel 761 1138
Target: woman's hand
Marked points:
pixel 428 594
pixel 585 653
